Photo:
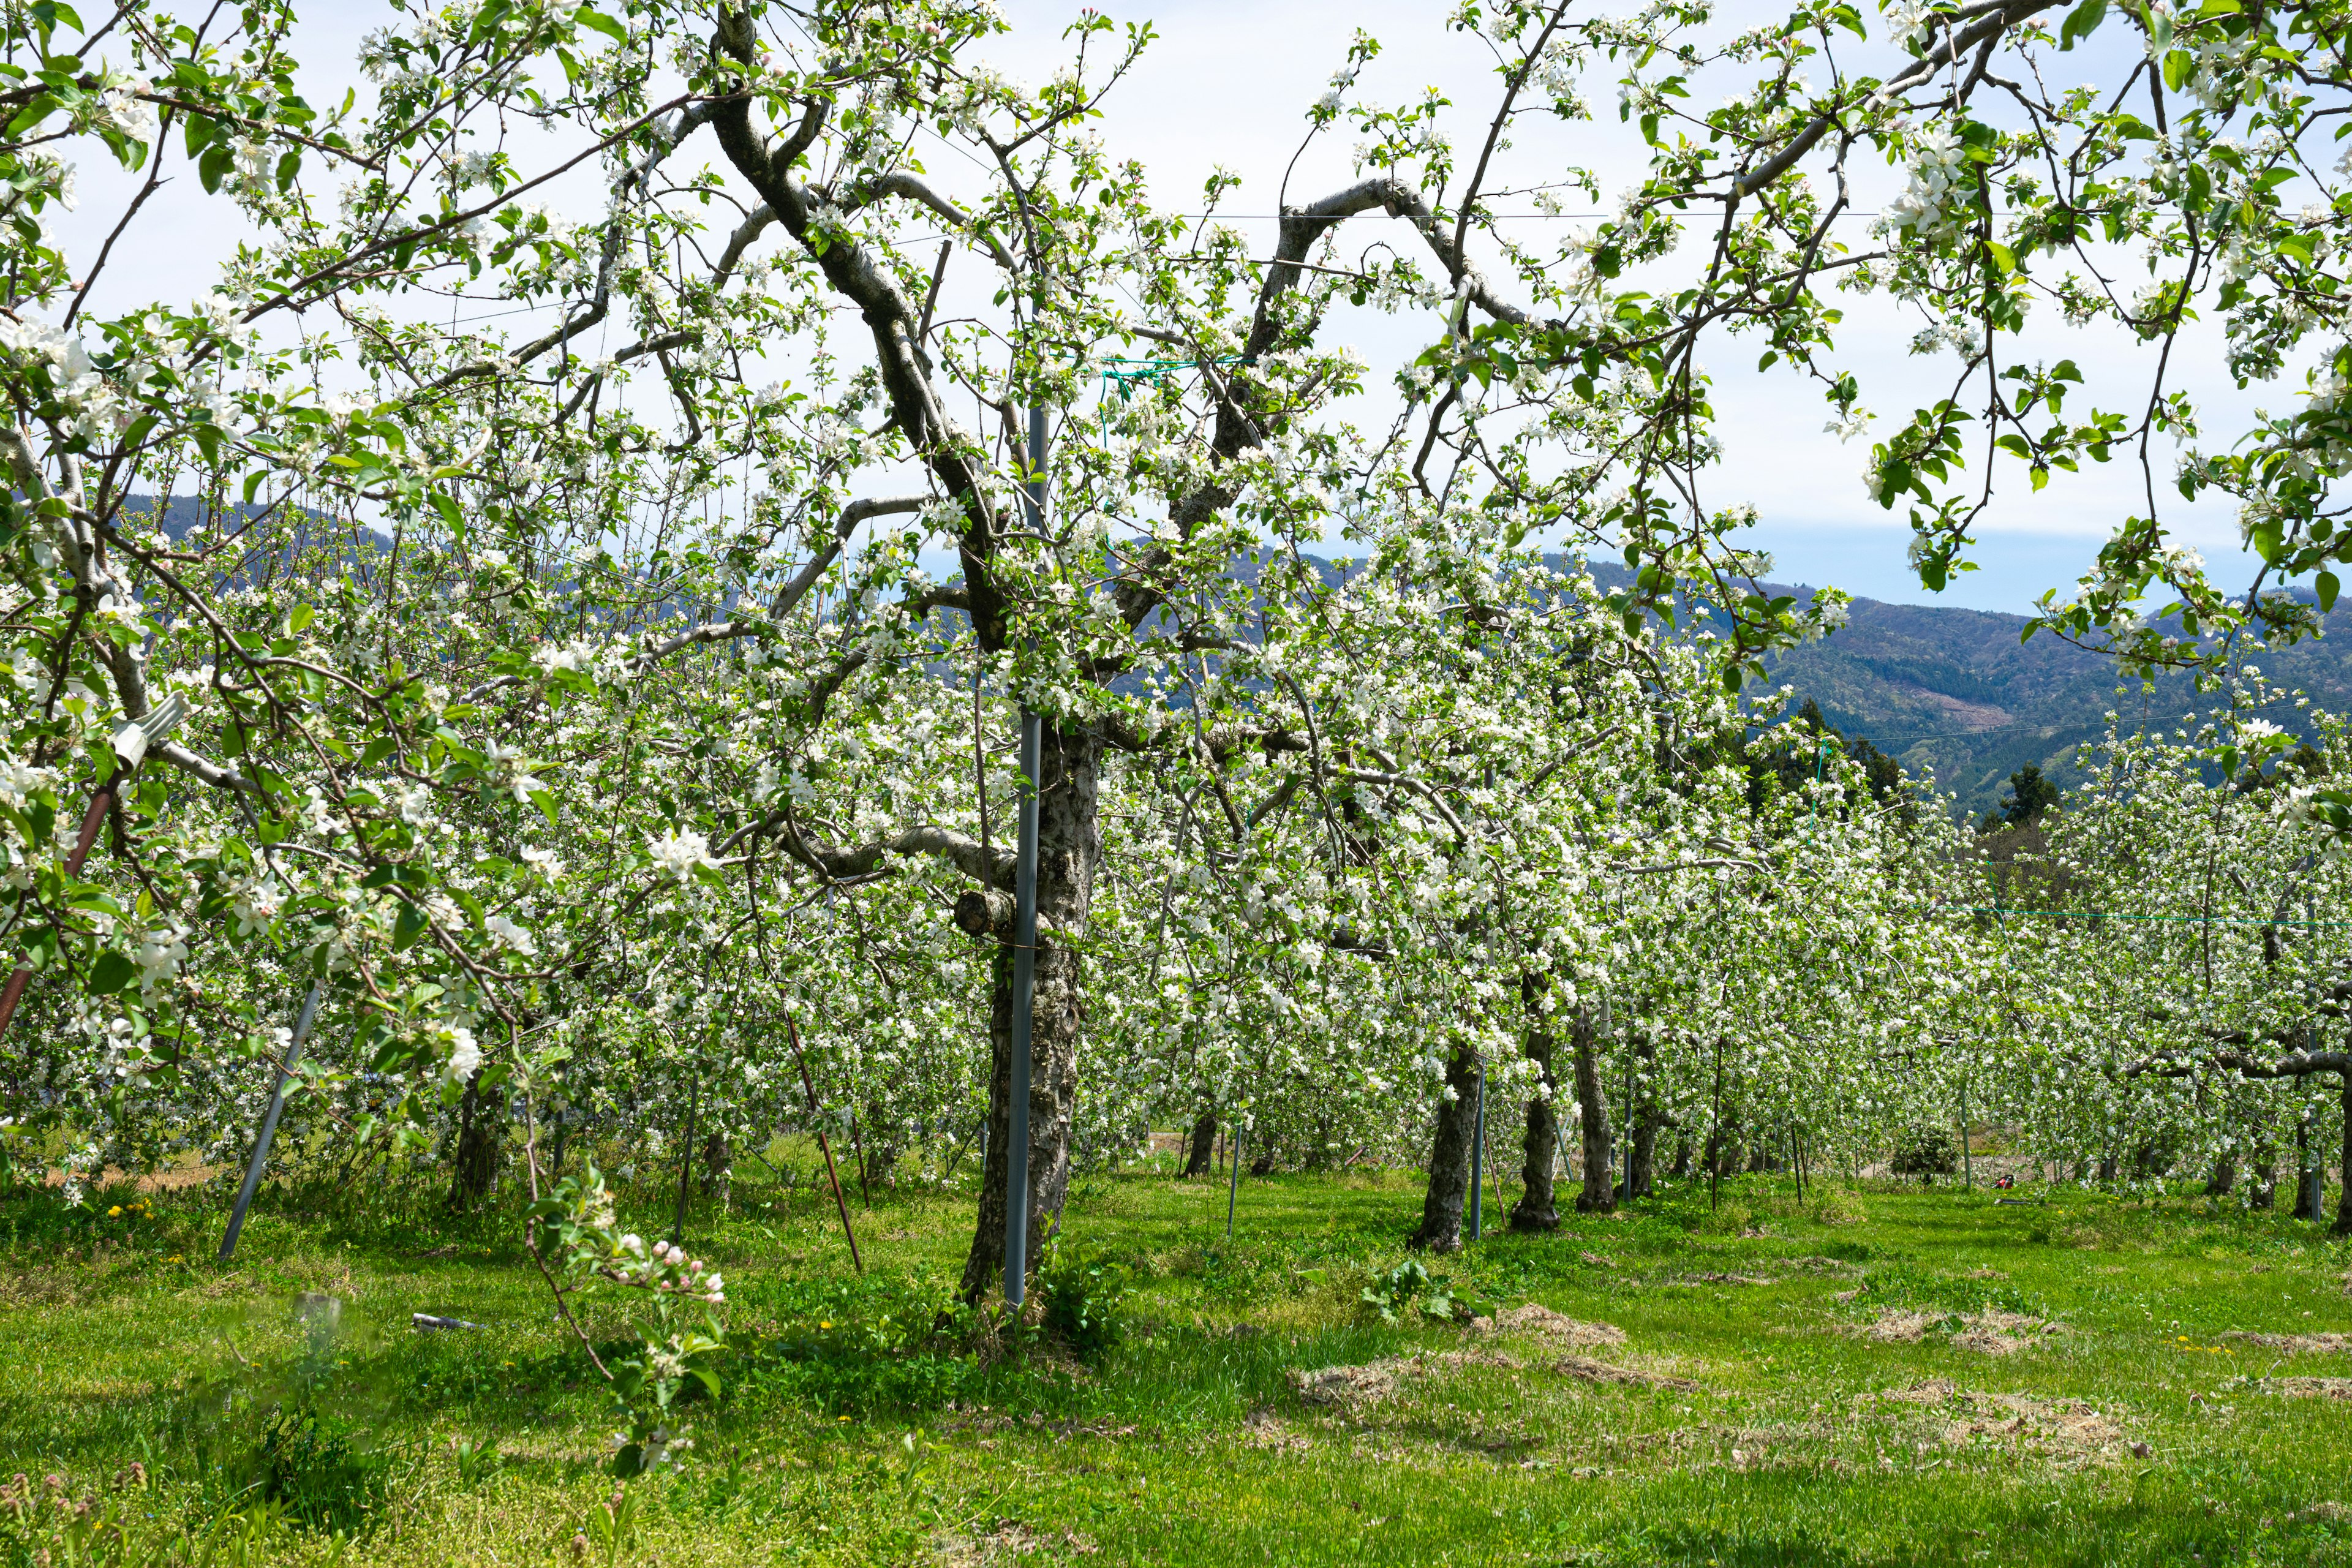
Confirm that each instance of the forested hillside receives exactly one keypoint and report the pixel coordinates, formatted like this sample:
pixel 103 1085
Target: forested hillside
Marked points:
pixel 1954 692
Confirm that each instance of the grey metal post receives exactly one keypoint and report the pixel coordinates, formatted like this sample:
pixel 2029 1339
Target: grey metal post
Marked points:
pixel 261 1139
pixel 1478 1153
pixel 1024 940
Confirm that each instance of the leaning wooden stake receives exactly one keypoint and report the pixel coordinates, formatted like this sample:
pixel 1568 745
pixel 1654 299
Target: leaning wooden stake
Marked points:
pixel 832 1175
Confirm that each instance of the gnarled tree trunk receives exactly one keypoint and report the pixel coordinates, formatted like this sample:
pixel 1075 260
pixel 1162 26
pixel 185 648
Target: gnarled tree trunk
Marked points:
pixel 474 1171
pixel 2225 1179
pixel 2308 1183
pixel 1599 1194
pixel 2342 1226
pixel 1648 1119
pixel 717 1167
pixel 1449 1157
pixel 1070 849
pixel 1537 1208
pixel 1201 1147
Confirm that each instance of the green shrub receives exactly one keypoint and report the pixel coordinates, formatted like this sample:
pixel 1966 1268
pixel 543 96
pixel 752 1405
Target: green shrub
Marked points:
pixel 1411 1284
pixel 1926 1150
pixel 308 1463
pixel 1082 1293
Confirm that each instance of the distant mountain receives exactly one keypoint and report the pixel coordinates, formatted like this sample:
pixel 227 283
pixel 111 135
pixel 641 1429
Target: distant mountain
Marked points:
pixel 1953 693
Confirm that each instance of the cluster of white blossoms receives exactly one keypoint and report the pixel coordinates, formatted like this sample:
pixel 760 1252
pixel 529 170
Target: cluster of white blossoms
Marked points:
pixel 1932 207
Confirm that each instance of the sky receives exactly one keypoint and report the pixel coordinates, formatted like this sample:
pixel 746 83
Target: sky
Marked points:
pixel 1228 83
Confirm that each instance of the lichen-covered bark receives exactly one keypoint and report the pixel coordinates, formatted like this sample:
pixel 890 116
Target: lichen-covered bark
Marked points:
pixel 1599 1194
pixel 1537 1208
pixel 2342 1226
pixel 1201 1150
pixel 717 1167
pixel 2308 1182
pixel 474 1172
pixel 1070 849
pixel 1449 1157
pixel 1642 1182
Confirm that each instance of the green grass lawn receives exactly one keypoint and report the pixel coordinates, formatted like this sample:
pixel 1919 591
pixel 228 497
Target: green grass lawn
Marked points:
pixel 1880 1375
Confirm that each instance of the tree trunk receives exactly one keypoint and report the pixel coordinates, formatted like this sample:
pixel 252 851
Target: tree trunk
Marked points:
pixel 1449 1158
pixel 1599 1194
pixel 1682 1166
pixel 881 1148
pixel 2308 1186
pixel 2342 1226
pixel 1200 1152
pixel 1642 1182
pixel 475 1170
pixel 1537 1207
pixel 2225 1179
pixel 717 1167
pixel 1070 849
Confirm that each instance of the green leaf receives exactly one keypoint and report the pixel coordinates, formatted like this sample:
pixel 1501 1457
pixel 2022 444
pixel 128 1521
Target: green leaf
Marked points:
pixel 2081 22
pixel 407 927
pixel 2328 588
pixel 110 973
pixel 596 21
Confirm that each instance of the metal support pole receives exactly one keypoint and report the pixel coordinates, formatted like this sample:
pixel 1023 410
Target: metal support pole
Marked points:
pixel 261 1139
pixel 1024 940
pixel 1477 1154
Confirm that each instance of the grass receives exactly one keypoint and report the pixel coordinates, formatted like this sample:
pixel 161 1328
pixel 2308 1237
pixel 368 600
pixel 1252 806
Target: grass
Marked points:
pixel 232 1415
